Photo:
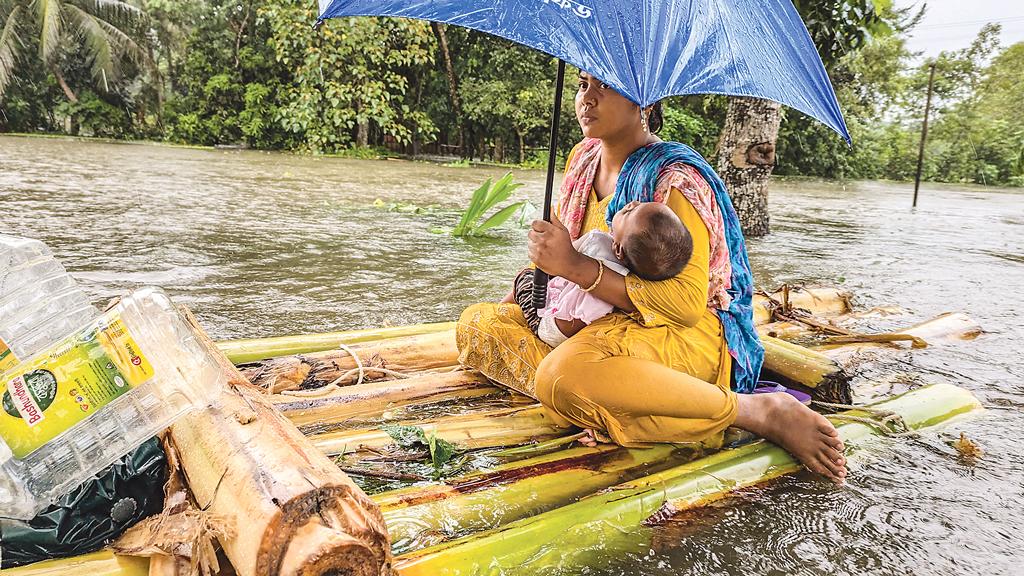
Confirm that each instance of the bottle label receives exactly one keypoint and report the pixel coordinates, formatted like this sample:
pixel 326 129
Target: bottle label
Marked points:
pixel 7 358
pixel 69 382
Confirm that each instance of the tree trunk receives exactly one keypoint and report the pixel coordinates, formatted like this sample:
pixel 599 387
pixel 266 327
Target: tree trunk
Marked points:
pixel 453 91
pixel 362 133
pixel 522 148
pixel 64 85
pixel 240 33
pixel 746 157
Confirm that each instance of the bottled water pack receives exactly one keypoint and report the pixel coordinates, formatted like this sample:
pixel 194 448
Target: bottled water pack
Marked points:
pixel 39 301
pixel 86 388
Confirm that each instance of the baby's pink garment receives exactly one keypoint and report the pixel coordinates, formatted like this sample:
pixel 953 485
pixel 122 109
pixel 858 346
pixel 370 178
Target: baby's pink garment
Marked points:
pixel 567 301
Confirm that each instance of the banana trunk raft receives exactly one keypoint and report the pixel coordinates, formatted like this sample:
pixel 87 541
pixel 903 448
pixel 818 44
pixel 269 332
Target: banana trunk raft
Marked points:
pixel 463 476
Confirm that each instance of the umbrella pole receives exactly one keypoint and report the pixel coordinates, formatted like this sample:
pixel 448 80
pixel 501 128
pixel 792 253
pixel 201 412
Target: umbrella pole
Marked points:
pixel 540 277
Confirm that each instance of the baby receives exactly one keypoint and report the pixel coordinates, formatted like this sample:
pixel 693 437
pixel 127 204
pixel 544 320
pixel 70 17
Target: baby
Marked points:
pixel 647 239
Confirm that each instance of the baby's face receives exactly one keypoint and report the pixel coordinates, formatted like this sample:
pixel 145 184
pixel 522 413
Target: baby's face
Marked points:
pixel 634 217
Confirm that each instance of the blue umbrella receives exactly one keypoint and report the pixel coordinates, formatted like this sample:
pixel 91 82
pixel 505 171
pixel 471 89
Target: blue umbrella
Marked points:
pixel 647 49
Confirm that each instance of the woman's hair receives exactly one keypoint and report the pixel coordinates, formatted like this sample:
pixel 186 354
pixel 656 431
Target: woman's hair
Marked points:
pixel 656 120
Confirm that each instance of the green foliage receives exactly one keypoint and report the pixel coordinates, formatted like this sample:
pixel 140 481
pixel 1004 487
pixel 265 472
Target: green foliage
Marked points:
pixel 840 27
pixel 978 133
pixel 102 34
pixel 350 78
pixel 486 197
pixel 440 450
pixel 507 91
pixel 228 80
pixel 975 131
pixel 252 72
pixel 684 123
pixel 97 117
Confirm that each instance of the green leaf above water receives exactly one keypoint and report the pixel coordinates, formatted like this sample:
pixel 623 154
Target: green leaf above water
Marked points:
pixel 406 436
pixel 409 437
pixel 484 199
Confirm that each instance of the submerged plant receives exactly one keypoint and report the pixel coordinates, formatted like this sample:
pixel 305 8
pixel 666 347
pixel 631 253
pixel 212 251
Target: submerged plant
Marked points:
pixel 485 198
pixel 441 451
pixel 403 207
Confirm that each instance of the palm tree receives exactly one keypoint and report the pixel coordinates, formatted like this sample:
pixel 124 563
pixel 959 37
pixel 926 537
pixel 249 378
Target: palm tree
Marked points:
pixel 97 27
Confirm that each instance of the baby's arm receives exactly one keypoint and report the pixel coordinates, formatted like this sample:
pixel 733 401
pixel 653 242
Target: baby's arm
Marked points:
pixel 570 327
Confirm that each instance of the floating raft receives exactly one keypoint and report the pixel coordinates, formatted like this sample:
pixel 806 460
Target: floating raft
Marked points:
pixel 268 483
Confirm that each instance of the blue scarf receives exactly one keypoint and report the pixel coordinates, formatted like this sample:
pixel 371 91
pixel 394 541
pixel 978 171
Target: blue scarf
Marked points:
pixel 636 181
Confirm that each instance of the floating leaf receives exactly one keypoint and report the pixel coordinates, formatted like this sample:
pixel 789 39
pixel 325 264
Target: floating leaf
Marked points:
pixel 440 450
pixel 406 436
pixel 967 448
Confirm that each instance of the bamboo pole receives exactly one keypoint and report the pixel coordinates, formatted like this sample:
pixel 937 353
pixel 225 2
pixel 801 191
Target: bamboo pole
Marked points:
pixel 434 514
pixel 924 133
pixel 422 516
pixel 406 354
pixel 287 508
pixel 254 349
pixel 565 536
pixel 433 346
pixel 505 427
pixel 795 365
pixel 100 563
pixel 373 398
pixel 820 371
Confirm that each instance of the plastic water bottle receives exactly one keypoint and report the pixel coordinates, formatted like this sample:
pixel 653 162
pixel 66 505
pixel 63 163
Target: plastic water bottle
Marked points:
pixel 39 301
pixel 75 407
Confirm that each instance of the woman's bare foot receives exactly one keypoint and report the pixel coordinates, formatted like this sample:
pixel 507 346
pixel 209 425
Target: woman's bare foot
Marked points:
pixel 592 438
pixel 802 432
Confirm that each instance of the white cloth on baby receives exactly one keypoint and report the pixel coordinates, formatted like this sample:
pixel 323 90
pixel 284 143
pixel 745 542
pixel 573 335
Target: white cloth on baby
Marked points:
pixel 568 301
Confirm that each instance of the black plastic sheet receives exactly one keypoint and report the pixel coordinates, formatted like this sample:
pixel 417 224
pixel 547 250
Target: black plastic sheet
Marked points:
pixel 93 514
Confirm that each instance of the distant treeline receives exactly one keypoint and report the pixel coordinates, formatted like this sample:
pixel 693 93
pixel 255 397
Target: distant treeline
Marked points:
pixel 255 73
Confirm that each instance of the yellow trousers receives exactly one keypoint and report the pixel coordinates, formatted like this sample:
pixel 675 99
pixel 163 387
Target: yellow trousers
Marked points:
pixel 639 384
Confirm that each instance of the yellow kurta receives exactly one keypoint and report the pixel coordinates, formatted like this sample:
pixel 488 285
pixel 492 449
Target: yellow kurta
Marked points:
pixel 660 374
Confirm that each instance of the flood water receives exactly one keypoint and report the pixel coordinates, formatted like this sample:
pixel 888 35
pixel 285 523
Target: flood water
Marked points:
pixel 261 244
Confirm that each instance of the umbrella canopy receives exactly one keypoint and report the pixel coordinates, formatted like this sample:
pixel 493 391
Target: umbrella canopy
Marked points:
pixel 649 49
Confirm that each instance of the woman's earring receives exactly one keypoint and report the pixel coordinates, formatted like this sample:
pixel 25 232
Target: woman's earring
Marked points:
pixel 643 120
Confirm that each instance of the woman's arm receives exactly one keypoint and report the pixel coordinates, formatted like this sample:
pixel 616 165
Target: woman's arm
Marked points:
pixel 682 299
pixel 612 288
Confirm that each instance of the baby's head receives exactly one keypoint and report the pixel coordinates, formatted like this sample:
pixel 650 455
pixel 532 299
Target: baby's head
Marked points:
pixel 650 240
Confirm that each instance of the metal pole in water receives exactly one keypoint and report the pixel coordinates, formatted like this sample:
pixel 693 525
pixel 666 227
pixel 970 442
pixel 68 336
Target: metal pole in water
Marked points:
pixel 924 132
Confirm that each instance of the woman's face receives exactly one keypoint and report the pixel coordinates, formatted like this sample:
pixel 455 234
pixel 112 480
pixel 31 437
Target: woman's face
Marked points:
pixel 604 113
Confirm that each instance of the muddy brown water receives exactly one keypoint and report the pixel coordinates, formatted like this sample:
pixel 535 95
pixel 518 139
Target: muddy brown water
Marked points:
pixel 262 244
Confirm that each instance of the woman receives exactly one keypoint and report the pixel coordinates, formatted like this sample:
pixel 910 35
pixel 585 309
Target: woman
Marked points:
pixel 663 369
